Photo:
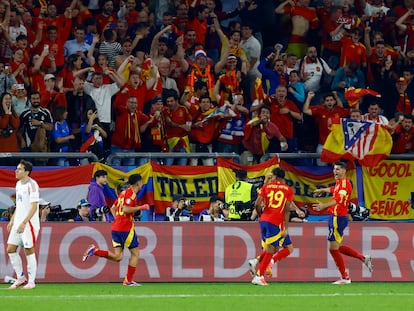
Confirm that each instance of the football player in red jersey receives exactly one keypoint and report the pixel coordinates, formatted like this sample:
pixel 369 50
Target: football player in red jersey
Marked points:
pixel 123 233
pixel 338 221
pixel 276 198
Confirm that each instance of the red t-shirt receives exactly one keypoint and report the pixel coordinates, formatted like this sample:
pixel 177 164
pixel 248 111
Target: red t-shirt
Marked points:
pixel 274 196
pixel 352 52
pixel 180 116
pixel 283 121
pixel 324 117
pixel 124 222
pixel 342 195
pixel 403 140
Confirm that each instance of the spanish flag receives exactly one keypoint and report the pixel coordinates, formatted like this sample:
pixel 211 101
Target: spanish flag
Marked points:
pixel 352 95
pixel 367 142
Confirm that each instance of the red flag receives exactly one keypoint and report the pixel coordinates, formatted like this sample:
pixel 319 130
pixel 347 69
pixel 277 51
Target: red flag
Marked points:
pixel 87 143
pixel 352 95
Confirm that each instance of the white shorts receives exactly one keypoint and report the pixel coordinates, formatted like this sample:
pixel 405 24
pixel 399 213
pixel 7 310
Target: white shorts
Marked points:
pixel 27 239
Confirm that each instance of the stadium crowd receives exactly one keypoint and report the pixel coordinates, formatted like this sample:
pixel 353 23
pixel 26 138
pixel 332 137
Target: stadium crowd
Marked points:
pixel 249 77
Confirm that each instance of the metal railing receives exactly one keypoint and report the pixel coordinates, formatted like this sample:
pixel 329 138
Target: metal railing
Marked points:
pixel 51 155
pixel 164 155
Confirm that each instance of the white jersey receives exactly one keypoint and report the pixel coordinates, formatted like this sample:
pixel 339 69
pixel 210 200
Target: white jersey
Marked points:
pixel 26 193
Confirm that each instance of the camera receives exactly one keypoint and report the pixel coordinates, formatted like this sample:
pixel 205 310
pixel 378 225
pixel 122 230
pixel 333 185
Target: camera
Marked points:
pixel 189 203
pixel 357 212
pixel 57 213
pixel 224 206
pixel 100 211
pixel 7 131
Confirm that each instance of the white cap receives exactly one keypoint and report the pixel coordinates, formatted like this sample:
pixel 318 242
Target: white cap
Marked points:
pixel 200 53
pixel 49 76
pixel 43 202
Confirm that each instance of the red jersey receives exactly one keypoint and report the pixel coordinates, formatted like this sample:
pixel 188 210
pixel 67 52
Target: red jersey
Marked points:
pixel 283 121
pixel 403 141
pixel 324 117
pixel 342 195
pixel 404 104
pixel 140 92
pixel 275 195
pixel 124 222
pixel 352 52
pixel 179 116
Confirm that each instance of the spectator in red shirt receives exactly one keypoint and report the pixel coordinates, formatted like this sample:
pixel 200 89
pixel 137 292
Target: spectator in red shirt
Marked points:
pixel 330 109
pixel 258 133
pixel 403 136
pixel 107 15
pixel 126 137
pixel 353 50
pixel 283 114
pixel 199 23
pixel 178 123
pixel 52 96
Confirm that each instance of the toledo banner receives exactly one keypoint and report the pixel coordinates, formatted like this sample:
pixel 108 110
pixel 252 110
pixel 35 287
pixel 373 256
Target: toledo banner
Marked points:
pixel 197 183
pixel 389 190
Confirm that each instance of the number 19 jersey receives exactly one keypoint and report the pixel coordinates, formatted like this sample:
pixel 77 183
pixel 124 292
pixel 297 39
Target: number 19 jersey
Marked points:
pixel 275 195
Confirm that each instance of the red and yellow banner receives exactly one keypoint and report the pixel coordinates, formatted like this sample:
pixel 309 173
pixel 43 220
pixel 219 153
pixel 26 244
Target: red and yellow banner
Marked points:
pixel 197 183
pixel 388 190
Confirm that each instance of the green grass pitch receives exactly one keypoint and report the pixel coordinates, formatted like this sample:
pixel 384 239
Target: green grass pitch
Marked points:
pixel 370 296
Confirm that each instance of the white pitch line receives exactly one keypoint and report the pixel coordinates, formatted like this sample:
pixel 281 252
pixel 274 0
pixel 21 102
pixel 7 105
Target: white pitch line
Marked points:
pixel 166 296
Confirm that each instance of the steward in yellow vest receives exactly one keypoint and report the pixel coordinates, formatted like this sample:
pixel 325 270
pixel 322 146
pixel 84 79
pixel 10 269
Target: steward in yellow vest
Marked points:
pixel 240 196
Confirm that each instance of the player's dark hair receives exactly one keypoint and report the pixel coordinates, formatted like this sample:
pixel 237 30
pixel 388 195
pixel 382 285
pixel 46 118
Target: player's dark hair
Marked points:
pixel 134 178
pixel 341 164
pixel 278 172
pixel 28 166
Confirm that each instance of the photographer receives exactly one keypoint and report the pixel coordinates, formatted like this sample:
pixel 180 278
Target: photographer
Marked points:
pixel 240 197
pixel 44 210
pixel 83 211
pixel 96 196
pixel 217 211
pixel 181 209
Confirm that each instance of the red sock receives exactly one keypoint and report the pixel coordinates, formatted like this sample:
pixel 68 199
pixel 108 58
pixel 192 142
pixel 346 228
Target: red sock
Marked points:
pixel 337 257
pixel 281 255
pixel 101 253
pixel 346 250
pixel 130 273
pixel 260 257
pixel 264 262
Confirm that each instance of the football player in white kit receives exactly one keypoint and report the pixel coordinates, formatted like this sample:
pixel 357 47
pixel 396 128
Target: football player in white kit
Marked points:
pixel 24 226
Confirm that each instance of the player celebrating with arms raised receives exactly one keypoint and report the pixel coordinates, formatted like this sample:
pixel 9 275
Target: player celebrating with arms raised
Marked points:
pixel 338 221
pixel 276 198
pixel 24 226
pixel 123 232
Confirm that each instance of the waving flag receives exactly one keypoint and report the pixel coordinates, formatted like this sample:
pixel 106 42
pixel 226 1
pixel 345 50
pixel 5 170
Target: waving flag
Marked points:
pixel 352 95
pixel 367 142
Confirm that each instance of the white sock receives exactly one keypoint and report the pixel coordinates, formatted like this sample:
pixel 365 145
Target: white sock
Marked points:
pixel 16 262
pixel 31 267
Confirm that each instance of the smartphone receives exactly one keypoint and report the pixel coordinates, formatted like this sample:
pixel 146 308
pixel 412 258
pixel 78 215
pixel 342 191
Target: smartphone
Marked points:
pixel 389 57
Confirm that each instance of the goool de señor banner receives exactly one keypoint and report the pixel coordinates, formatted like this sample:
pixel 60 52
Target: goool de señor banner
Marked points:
pixel 389 190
